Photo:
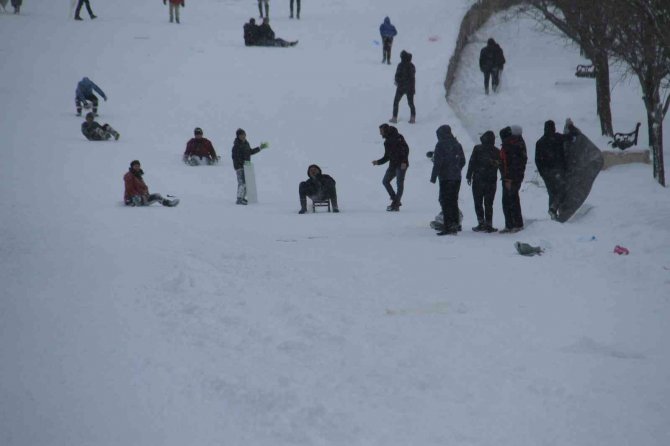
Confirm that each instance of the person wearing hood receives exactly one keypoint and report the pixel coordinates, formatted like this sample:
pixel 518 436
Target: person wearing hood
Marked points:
pixel 93 131
pixel 298 11
pixel 405 81
pixel 482 175
pixel 84 93
pixel 513 160
pixel 491 63
pixel 136 191
pixel 396 153
pixel 265 36
pixel 550 162
pixel 250 32
pixel 199 150
pixel 241 153
pixel 387 32
pixel 318 187
pixel 448 161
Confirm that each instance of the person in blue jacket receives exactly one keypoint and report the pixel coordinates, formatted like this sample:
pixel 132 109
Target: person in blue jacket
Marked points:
pixel 388 32
pixel 84 94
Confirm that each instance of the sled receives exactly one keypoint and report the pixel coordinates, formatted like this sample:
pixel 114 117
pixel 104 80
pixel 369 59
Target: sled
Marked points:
pixel 250 180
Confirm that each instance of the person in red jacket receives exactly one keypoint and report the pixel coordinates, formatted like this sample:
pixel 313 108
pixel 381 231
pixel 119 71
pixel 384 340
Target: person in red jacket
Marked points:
pixel 136 191
pixel 174 8
pixel 200 150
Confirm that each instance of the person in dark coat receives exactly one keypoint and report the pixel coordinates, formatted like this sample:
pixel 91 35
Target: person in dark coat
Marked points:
pixel 491 63
pixel 396 153
pixel 251 32
pixel 448 161
pixel 199 150
pixel 17 6
pixel 88 8
pixel 136 192
pixel 266 36
pixel 318 187
pixel 405 80
pixel 483 176
pixel 93 131
pixel 550 162
pixel 84 93
pixel 298 11
pixel 241 153
pixel 387 32
pixel 513 158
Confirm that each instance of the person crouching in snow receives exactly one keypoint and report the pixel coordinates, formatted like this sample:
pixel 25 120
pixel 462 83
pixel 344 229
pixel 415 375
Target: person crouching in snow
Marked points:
pixel 266 36
pixel 241 153
pixel 96 132
pixel 136 191
pixel 174 9
pixel 84 94
pixel 318 187
pixel 200 150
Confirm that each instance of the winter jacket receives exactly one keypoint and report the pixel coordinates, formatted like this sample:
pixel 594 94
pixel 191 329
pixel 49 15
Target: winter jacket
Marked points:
pixel 200 147
pixel 242 152
pixel 17 3
pixel 176 2
pixel 513 158
pixel 448 157
pixel 265 33
pixel 396 150
pixel 134 185
pixel 491 56
pixel 250 34
pixel 323 185
pixel 484 161
pixel 92 131
pixel 386 29
pixel 405 73
pixel 85 88
pixel 549 150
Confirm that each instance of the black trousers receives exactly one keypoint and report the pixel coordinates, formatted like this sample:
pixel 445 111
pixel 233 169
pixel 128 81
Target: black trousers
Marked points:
pixel 554 180
pixel 484 193
pixel 512 206
pixel 399 175
pixel 88 8
pixel 396 101
pixel 494 75
pixel 387 43
pixel 449 202
pixel 298 4
pixel 90 97
pixel 326 192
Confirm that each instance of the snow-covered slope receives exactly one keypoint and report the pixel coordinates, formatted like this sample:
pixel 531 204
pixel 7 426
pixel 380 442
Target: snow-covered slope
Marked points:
pixel 211 323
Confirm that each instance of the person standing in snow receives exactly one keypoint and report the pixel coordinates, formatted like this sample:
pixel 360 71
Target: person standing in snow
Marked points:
pixel 513 160
pixel 84 93
pixel 298 11
pixel 396 153
pixel 491 63
pixel 174 9
pixel 318 187
pixel 550 162
pixel 482 175
pixel 387 32
pixel 267 8
pixel 136 191
pixel 199 150
pixel 17 6
pixel 448 161
pixel 266 36
pixel 405 85
pixel 96 132
pixel 241 153
pixel 88 8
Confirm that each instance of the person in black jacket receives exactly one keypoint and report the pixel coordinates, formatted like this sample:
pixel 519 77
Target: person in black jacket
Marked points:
pixel 491 63
pixel 448 161
pixel 405 81
pixel 396 153
pixel 242 152
pixel 250 32
pixel 550 162
pixel 265 36
pixel 318 187
pixel 513 158
pixel 96 132
pixel 483 176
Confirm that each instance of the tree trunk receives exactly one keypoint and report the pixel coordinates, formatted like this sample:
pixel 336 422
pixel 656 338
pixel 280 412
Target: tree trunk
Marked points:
pixel 652 102
pixel 603 98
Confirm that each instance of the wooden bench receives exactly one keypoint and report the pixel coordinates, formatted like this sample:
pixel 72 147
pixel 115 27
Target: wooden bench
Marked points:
pixel 586 71
pixel 625 140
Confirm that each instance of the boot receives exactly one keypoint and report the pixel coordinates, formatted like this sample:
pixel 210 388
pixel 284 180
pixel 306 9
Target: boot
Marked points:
pixel 412 119
pixel 481 227
pixel 394 120
pixel 241 201
pixel 333 203
pixel 303 206
pixel 78 18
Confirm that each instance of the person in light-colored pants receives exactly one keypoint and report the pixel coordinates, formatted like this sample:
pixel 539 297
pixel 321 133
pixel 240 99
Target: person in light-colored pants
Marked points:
pixel 174 9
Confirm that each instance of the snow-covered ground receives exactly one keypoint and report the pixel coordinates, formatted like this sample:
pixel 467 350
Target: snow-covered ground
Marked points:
pixel 212 323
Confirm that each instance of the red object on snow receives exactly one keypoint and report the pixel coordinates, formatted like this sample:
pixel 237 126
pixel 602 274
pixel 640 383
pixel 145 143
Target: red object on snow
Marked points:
pixel 621 250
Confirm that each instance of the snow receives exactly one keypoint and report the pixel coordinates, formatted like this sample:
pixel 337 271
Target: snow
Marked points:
pixel 211 323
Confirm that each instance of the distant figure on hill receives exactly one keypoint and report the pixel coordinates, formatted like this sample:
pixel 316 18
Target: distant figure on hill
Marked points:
pixel 241 153
pixel 174 9
pixel 17 6
pixel 96 132
pixel 551 164
pixel 88 8
pixel 405 85
pixel 396 153
pixel 448 161
pixel 84 93
pixel 267 8
pixel 491 63
pixel 298 11
pixel 513 158
pixel 387 32
pixel 318 187
pixel 265 36
pixel 483 177
pixel 136 191
pixel 200 150
pixel 251 32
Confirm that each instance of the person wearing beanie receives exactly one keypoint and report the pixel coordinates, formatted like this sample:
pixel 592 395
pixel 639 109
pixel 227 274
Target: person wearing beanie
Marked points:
pixel 482 175
pixel 174 8
pixel 136 191
pixel 396 153
pixel 241 153
pixel 551 165
pixel 318 187
pixel 448 161
pixel 491 63
pixel 93 131
pixel 405 81
pixel 513 158
pixel 199 150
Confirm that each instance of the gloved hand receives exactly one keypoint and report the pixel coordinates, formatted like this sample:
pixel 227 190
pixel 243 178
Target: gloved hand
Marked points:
pixel 265 145
pixel 432 180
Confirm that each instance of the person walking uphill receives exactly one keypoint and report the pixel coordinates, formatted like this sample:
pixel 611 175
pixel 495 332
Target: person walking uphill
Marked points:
pixel 405 85
pixel 174 9
pixel 396 153
pixel 482 176
pixel 387 32
pixel 448 161
pixel 513 160
pixel 136 191
pixel 241 153
pixel 84 93
pixel 491 63
pixel 88 8
pixel 318 187
pixel 550 162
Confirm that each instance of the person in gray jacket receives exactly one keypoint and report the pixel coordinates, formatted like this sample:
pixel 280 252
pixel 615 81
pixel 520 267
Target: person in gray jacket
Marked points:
pixel 448 161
